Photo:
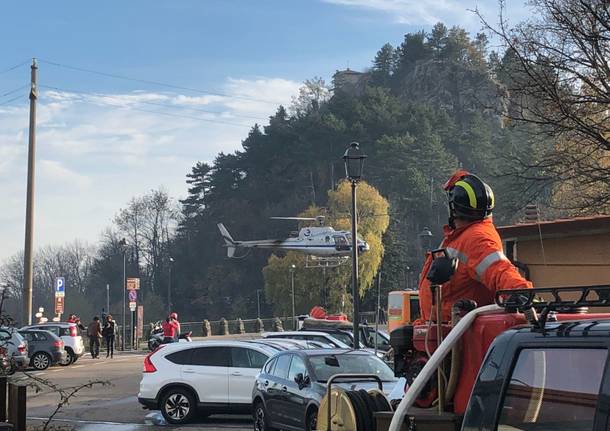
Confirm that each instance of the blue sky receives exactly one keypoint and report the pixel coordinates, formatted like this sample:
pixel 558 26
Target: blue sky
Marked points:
pixel 103 140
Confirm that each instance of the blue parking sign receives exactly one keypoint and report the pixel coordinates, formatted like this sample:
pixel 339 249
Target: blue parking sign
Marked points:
pixel 60 286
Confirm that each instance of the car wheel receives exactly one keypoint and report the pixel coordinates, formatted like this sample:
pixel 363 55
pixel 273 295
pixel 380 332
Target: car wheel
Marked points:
pixel 261 421
pixel 178 406
pixel 311 420
pixel 40 361
pixel 69 358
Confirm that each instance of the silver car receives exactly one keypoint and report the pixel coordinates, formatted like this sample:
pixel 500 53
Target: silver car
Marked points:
pixel 15 348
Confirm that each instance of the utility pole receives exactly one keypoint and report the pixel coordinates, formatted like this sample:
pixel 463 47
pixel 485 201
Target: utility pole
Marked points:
pixel 123 244
pixel 29 209
pixel 108 298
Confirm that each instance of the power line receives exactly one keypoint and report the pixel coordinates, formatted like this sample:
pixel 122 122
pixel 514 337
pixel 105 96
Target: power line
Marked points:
pixel 6 102
pixel 146 102
pixel 14 67
pixel 109 103
pixel 15 90
pixel 162 84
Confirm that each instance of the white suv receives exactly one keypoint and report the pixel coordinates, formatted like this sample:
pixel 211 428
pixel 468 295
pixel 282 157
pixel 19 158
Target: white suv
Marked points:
pixel 69 334
pixel 206 376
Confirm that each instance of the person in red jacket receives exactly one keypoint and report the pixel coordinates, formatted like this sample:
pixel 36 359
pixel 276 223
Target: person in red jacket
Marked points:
pixel 472 238
pixel 174 317
pixel 170 328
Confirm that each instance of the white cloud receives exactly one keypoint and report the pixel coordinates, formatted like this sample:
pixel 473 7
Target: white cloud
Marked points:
pixel 96 151
pixel 54 173
pixel 427 12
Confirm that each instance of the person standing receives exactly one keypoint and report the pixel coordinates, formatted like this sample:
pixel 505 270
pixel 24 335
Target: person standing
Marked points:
pixel 471 237
pixel 108 332
pixel 94 331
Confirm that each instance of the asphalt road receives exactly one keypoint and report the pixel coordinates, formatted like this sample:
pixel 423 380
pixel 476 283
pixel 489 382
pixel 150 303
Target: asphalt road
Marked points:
pixel 111 406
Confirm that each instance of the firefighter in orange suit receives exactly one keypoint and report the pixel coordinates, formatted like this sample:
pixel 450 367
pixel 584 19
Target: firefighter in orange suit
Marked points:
pixel 472 238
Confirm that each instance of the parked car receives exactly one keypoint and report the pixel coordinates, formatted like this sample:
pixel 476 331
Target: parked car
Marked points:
pixel 321 337
pixel 289 344
pixel 14 348
pixel 343 331
pixel 208 377
pixel 69 334
pixel 288 390
pixel 44 347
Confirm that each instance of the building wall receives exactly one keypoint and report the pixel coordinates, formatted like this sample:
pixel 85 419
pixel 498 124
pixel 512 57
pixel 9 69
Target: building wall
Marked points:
pixel 570 261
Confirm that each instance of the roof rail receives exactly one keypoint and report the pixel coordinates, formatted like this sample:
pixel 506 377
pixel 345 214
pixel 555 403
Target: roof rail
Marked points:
pixel 523 299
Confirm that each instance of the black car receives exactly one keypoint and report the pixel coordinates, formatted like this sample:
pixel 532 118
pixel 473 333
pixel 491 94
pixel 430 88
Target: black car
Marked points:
pixel 288 390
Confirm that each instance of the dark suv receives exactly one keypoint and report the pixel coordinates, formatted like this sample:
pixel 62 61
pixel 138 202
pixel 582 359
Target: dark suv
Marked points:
pixel 289 389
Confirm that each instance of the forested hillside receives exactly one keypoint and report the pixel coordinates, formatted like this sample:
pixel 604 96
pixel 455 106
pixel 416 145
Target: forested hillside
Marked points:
pixel 425 108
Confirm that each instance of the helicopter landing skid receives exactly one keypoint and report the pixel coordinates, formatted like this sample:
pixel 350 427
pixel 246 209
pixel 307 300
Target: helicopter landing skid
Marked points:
pixel 325 262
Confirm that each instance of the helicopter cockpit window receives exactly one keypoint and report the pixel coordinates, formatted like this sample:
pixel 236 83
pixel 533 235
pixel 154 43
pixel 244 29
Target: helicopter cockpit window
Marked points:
pixel 341 242
pixel 327 239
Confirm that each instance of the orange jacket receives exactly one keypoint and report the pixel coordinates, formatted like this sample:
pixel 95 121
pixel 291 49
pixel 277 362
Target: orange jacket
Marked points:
pixel 482 269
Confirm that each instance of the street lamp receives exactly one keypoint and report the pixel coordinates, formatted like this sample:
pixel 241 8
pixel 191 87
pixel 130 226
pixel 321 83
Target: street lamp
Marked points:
pixel 123 243
pixel 294 321
pixel 425 239
pixel 258 303
pixel 169 286
pixel 354 163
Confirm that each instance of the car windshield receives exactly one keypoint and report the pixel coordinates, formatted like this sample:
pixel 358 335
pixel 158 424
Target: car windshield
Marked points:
pixel 325 366
pixel 342 336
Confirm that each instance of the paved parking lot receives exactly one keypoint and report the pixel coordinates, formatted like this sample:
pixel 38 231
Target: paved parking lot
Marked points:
pixel 113 406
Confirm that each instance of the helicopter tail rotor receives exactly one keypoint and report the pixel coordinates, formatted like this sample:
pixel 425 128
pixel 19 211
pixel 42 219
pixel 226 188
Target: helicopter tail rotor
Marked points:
pixel 229 241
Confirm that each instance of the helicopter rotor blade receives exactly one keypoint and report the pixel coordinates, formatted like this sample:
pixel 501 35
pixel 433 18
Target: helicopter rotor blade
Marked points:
pixel 295 218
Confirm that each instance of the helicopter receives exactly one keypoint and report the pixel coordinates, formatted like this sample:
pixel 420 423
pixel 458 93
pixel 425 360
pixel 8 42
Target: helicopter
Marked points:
pixel 317 241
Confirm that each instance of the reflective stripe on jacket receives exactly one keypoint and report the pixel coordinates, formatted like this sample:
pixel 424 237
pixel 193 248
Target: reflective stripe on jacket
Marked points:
pixel 482 269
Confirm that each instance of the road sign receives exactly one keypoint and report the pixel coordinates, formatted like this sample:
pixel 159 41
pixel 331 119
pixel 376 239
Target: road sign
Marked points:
pixel 133 295
pixel 59 305
pixel 140 321
pixel 60 286
pixel 132 306
pixel 133 284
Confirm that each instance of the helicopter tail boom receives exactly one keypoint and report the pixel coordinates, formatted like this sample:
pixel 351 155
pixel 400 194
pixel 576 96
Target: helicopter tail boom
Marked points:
pixel 229 241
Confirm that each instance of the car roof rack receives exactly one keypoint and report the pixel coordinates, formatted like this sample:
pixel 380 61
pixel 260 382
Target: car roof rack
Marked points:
pixel 530 303
pixel 522 299
pixel 582 296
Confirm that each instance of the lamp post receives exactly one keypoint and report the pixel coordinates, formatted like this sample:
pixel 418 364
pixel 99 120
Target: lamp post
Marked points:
pixel 378 310
pixel 169 286
pixel 425 239
pixel 354 162
pixel 258 303
pixel 294 321
pixel 123 243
